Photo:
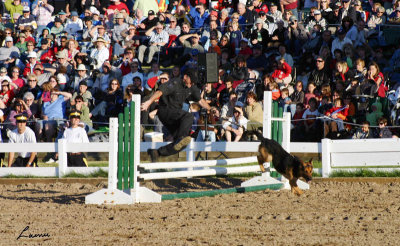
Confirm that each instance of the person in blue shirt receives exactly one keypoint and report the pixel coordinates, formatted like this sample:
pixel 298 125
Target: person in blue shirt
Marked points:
pixel 199 16
pixel 53 113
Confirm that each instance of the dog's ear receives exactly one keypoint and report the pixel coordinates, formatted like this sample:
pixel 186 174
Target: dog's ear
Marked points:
pixel 310 161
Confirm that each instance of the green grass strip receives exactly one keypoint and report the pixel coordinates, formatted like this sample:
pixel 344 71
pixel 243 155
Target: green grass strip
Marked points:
pixel 97 174
pixel 364 173
pixel 221 191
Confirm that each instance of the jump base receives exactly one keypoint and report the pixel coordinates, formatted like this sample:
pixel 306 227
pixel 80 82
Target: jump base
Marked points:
pixel 109 197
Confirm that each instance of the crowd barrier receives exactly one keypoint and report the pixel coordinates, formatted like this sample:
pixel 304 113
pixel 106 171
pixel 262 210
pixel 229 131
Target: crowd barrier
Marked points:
pixel 352 154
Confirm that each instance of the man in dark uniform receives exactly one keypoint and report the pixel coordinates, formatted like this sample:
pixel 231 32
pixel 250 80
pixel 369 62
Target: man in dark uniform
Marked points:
pixel 178 122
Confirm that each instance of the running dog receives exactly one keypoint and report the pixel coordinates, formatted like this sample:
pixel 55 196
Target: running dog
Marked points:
pixel 291 167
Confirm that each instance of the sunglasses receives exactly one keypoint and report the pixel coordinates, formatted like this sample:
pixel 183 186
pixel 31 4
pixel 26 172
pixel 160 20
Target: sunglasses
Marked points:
pixel 15 71
pixel 8 32
pixel 381 123
pixel 320 61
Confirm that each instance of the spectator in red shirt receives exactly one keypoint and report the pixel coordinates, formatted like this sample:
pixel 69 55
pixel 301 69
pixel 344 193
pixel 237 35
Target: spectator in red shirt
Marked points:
pixel 32 61
pixel 282 75
pixel 117 5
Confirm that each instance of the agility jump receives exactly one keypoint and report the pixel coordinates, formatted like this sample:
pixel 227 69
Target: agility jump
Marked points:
pixel 125 174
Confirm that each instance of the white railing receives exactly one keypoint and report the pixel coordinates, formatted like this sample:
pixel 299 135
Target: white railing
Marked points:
pixel 374 154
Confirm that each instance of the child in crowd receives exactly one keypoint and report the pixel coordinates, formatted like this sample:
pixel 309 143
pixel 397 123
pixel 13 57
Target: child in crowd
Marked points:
pixel 285 100
pixel 311 123
pixel 310 93
pixel 363 132
pixel 338 114
pixel 383 131
pixel 274 88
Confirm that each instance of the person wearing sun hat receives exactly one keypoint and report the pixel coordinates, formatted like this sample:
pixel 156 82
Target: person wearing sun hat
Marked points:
pixel 76 134
pixel 22 134
pixel 81 76
pixel 100 54
pixel 117 38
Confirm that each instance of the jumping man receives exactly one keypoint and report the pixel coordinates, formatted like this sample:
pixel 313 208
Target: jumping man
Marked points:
pixel 178 122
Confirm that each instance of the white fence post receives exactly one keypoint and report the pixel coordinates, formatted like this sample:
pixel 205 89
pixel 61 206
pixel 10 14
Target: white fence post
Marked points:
pixel 267 118
pixel 62 157
pixel 136 144
pixel 113 154
pixel 286 131
pixel 326 157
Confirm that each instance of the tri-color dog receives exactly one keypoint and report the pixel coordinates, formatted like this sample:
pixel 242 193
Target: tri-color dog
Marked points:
pixel 291 167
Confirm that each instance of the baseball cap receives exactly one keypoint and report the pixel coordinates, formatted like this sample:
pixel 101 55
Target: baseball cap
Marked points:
pixel 74 13
pixel 341 31
pixel 82 83
pixel 244 40
pixel 62 12
pixel 293 18
pixel 57 19
pixel 3 70
pixel 26 9
pixel 119 16
pixel 259 21
pixel 345 1
pixel 257 46
pixel 32 54
pixel 44 41
pixel 151 12
pixel 317 12
pixel 9 39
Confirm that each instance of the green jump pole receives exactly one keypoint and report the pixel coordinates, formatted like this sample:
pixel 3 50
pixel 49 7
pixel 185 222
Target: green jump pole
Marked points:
pixel 120 149
pixel 280 131
pixel 132 145
pixel 126 148
pixel 221 191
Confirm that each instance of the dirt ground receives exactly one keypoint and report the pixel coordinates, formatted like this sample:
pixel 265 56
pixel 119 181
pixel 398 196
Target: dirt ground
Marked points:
pixel 330 213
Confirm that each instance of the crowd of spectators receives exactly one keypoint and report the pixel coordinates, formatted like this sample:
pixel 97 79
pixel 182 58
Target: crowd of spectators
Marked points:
pixel 328 63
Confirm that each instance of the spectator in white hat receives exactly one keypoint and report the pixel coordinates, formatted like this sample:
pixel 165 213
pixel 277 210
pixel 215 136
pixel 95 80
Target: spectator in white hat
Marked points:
pixel 9 53
pixel 117 37
pixel 100 54
pixel 26 19
pixel 61 62
pixel 79 77
pixel 32 61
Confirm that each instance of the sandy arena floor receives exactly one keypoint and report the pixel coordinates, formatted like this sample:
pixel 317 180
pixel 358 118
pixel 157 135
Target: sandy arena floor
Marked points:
pixel 330 213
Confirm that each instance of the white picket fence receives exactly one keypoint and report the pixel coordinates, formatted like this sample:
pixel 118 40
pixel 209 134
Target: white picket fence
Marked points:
pixel 353 154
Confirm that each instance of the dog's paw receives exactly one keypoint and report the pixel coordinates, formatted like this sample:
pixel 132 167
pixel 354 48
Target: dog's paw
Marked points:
pixel 297 191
